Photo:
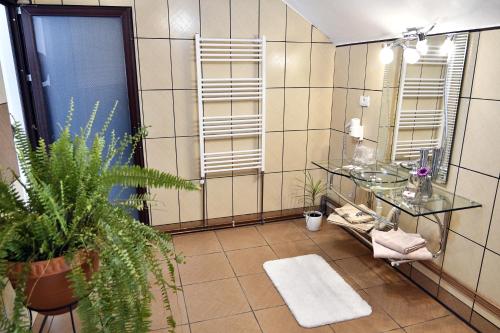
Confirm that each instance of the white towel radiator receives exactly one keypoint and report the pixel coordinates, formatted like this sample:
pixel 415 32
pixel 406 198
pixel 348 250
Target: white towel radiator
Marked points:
pixel 231 90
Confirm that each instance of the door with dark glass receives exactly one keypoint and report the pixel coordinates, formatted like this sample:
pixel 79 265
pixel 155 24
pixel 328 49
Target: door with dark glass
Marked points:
pixel 82 54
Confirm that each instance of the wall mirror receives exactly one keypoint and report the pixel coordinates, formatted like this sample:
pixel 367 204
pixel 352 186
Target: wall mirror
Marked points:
pixel 420 100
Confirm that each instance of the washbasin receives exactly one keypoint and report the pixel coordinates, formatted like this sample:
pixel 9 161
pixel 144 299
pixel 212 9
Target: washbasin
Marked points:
pixel 379 177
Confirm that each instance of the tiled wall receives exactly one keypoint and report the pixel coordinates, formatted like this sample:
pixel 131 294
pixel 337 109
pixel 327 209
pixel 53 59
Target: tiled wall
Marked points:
pixel 300 64
pixel 472 257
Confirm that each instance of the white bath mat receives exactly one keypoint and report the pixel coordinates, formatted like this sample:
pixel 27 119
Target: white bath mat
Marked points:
pixel 314 292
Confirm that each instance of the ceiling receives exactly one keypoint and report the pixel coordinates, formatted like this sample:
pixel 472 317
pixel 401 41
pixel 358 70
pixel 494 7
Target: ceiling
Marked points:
pixel 352 21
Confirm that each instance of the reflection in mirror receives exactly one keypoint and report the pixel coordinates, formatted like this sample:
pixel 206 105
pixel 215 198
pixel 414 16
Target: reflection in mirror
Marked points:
pixel 420 101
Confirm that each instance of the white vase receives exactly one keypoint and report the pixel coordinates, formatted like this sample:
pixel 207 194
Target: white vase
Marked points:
pixel 313 220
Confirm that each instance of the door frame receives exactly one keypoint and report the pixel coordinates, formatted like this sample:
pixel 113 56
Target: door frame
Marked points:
pixel 36 113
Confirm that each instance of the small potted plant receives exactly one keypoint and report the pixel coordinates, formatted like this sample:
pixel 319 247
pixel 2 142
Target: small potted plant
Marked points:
pixel 69 240
pixel 313 190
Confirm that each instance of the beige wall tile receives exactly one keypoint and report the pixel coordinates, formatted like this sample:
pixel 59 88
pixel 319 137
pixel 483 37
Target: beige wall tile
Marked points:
pixel 272 191
pixel 371 114
pixel 336 145
pixel 483 123
pixel 186 112
pixel 339 105
pixel 245 194
pixel 215 18
pixel 183 64
pixel 486 83
pixel 357 66
pixel 166 209
pixel 188 157
pixel 297 28
pixel 124 3
pixel 191 205
pixel 244 18
pixel 322 64
pixel 317 146
pixel 81 2
pixel 274 110
pixel 184 18
pixel 296 108
pixel 493 237
pixel 158 111
pixel 318 36
pixel 154 61
pixel 459 130
pixel 161 155
pixel 341 72
pixel 474 223
pixel 320 106
pixel 273 19
pixel 293 189
pixel 374 68
pixel 294 154
pixel 297 64
pixel 48 2
pixel 219 197
pixel 470 64
pixel 274 152
pixel 275 64
pixel 152 18
pixel 488 282
pixel 430 232
pixel 353 110
pixel 463 260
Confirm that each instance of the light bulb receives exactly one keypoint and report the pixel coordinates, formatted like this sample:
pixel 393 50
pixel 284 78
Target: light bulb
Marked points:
pixel 447 46
pixel 386 55
pixel 411 55
pixel 422 47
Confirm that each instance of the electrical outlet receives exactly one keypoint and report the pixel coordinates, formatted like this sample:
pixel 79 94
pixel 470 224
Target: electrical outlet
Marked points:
pixel 364 101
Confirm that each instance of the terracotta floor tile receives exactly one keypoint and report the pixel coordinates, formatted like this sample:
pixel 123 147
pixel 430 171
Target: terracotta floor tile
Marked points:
pixel 178 329
pixel 361 273
pixel 347 278
pixel 441 325
pixel 197 243
pixel 377 322
pixel 260 291
pixel 249 261
pixel 215 299
pixel 383 269
pixel 326 228
pixel 281 320
pixel 280 232
pixel 297 248
pixel 242 323
pixel 207 267
pixel 159 315
pixel 406 304
pixel 240 238
pixel 341 247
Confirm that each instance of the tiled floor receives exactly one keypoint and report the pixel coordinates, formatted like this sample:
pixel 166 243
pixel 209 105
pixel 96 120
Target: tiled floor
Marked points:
pixel 225 289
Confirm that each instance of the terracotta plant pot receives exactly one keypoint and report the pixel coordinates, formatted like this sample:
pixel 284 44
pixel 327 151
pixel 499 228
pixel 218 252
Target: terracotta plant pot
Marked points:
pixel 48 287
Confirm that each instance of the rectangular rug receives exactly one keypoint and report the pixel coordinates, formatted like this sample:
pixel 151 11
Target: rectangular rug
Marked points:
pixel 315 293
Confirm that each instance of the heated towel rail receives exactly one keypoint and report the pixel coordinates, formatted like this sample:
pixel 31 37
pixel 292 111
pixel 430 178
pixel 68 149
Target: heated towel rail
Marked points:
pixel 231 90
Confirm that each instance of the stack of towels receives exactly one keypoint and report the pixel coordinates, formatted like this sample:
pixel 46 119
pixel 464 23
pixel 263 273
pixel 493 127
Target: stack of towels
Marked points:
pixel 351 217
pixel 399 245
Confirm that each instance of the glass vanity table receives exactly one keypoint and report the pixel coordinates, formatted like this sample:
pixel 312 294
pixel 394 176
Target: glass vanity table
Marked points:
pixel 385 182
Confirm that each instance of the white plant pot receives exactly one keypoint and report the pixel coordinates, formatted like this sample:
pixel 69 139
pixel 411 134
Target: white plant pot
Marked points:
pixel 313 223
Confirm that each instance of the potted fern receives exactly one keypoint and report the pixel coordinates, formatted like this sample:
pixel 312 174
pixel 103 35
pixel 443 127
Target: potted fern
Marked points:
pixel 313 190
pixel 68 240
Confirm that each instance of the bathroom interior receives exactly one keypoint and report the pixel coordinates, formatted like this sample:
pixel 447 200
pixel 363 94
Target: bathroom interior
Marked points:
pixel 327 166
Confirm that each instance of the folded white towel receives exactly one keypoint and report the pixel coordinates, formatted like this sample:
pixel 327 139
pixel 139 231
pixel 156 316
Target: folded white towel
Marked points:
pixel 354 215
pixel 400 241
pixel 380 251
pixel 338 220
